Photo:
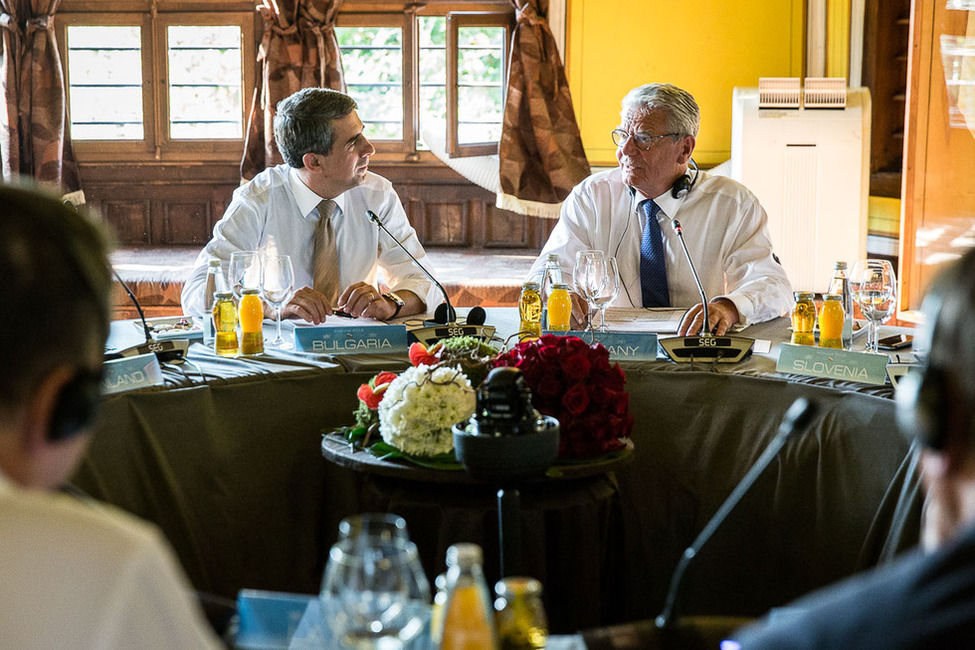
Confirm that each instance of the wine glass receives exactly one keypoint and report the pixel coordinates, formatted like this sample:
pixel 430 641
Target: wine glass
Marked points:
pixel 610 289
pixel 245 272
pixel 590 278
pixel 374 593
pixel 277 285
pixel 874 288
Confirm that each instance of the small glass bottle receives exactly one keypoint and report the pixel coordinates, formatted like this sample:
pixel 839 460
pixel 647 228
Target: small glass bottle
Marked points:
pixel 251 323
pixel 559 308
pixel 520 615
pixel 804 319
pixel 468 619
pixel 840 284
pixel 551 276
pixel 225 323
pixel 530 309
pixel 831 319
pixel 214 283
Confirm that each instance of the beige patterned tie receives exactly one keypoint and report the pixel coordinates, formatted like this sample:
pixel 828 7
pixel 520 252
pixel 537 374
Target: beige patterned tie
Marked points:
pixel 326 253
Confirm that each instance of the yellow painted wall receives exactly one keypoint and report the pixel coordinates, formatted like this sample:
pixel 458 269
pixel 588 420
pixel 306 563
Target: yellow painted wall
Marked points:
pixel 706 47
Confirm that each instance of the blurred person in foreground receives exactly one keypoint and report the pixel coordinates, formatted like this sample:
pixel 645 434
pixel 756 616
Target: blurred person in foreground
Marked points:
pixel 627 213
pixel 925 599
pixel 313 208
pixel 72 575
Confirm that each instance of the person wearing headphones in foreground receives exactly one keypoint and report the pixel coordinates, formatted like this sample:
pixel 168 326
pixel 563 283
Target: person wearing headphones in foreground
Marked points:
pixel 72 575
pixel 627 212
pixel 927 598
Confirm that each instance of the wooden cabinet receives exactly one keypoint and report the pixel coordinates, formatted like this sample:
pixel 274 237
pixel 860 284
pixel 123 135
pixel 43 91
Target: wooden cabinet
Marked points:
pixel 938 221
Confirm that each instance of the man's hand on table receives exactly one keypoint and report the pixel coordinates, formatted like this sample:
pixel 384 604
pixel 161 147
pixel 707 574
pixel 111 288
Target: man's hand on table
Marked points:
pixel 722 315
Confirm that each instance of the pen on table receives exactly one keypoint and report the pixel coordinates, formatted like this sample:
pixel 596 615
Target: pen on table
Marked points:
pixel 341 314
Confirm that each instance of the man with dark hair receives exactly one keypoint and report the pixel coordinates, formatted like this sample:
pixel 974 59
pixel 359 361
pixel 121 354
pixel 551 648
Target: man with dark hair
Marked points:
pixel 627 213
pixel 72 575
pixel 313 208
pixel 926 599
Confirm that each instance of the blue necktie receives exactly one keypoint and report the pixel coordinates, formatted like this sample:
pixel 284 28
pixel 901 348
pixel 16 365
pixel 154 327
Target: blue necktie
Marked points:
pixel 653 271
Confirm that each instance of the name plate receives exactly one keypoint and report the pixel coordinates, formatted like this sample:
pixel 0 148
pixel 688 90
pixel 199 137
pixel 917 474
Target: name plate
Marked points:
pixel 622 346
pixel 356 339
pixel 832 364
pixel 129 373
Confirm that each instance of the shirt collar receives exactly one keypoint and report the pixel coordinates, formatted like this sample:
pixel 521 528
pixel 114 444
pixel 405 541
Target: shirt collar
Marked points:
pixel 666 202
pixel 308 200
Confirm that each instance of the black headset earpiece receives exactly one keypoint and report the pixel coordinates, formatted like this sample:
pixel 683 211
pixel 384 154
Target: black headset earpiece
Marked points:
pixel 921 394
pixel 75 406
pixel 684 184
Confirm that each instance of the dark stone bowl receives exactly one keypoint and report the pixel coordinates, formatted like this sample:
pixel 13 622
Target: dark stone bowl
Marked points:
pixel 508 460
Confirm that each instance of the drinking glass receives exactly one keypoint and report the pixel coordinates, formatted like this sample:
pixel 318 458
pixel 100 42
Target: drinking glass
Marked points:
pixel 611 289
pixel 277 284
pixel 374 594
pixel 590 278
pixel 874 288
pixel 245 272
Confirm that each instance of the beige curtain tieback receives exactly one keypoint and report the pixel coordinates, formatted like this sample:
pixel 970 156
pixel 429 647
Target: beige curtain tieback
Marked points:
pixel 326 253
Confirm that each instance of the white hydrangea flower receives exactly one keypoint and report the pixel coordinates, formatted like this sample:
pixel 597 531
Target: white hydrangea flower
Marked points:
pixel 420 407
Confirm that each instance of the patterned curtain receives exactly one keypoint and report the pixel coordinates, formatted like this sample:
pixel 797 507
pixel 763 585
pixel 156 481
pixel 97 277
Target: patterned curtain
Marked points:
pixel 541 149
pixel 33 133
pixel 299 50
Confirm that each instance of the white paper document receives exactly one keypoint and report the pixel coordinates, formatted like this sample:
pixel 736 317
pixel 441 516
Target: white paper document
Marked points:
pixel 662 320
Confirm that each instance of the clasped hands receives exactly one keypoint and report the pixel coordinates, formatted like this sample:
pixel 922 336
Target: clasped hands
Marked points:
pixel 722 316
pixel 359 300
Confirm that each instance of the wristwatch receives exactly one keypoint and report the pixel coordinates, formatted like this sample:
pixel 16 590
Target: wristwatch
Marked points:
pixel 396 300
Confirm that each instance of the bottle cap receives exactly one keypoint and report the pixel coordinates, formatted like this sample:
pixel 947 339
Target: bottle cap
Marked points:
pixel 464 555
pixel 840 266
pixel 560 285
pixel 833 296
pixel 804 295
pixel 249 292
pixel 214 262
pixel 223 295
pixel 553 256
pixel 530 285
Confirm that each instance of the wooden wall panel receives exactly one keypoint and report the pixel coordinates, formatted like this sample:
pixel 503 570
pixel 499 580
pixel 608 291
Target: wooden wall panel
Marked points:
pixel 129 219
pixel 187 223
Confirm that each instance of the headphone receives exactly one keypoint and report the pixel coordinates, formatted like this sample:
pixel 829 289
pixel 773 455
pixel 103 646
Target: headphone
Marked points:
pixel 921 396
pixel 684 184
pixel 443 315
pixel 76 404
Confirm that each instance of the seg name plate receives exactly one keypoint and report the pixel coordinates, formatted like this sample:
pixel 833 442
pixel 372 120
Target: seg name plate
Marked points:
pixel 622 346
pixel 356 339
pixel 832 364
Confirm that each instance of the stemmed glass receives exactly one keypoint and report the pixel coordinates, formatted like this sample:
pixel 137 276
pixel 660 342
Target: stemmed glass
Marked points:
pixel 611 289
pixel 374 593
pixel 245 271
pixel 590 278
pixel 874 288
pixel 277 285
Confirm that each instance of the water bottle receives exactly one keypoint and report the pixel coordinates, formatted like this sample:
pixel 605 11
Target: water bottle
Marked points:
pixel 468 617
pixel 214 284
pixel 551 277
pixel 840 284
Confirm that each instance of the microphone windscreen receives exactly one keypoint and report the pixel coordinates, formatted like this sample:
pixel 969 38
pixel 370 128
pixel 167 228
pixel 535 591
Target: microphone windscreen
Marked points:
pixel 476 316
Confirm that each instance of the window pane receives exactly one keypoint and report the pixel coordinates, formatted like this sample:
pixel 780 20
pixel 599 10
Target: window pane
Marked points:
pixel 105 82
pixel 433 73
pixel 480 94
pixel 205 82
pixel 372 58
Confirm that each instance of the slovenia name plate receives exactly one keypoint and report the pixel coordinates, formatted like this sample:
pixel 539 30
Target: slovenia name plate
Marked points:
pixel 357 339
pixel 833 364
pixel 129 373
pixel 622 346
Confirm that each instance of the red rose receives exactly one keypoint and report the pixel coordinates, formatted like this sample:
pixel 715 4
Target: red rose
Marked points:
pixel 573 345
pixel 549 385
pixel 576 366
pixel 576 399
pixel 549 353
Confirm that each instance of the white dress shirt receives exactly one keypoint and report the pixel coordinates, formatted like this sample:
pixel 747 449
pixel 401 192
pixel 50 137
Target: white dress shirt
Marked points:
pixel 276 214
pixel 79 576
pixel 725 228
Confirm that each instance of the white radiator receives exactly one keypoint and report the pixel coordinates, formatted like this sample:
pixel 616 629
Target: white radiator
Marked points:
pixel 810 168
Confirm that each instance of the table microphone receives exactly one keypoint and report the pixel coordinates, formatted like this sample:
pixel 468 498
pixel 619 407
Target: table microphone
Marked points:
pixel 173 350
pixel 445 314
pixel 722 349
pixel 797 417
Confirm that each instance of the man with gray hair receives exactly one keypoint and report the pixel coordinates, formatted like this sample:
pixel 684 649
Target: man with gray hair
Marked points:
pixel 313 208
pixel 627 212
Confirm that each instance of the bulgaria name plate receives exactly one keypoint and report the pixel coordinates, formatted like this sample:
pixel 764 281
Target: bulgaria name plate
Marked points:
pixel 355 339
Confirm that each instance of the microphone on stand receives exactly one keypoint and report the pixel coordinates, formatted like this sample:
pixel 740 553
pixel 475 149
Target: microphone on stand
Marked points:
pixel 796 418
pixel 445 314
pixel 722 349
pixel 172 350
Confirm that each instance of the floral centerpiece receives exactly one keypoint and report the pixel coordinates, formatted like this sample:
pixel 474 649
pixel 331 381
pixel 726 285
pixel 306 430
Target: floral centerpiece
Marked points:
pixel 410 415
pixel 574 382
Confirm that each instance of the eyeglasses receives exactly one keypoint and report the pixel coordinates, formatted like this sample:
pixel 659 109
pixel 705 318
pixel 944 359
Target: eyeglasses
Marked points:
pixel 642 140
